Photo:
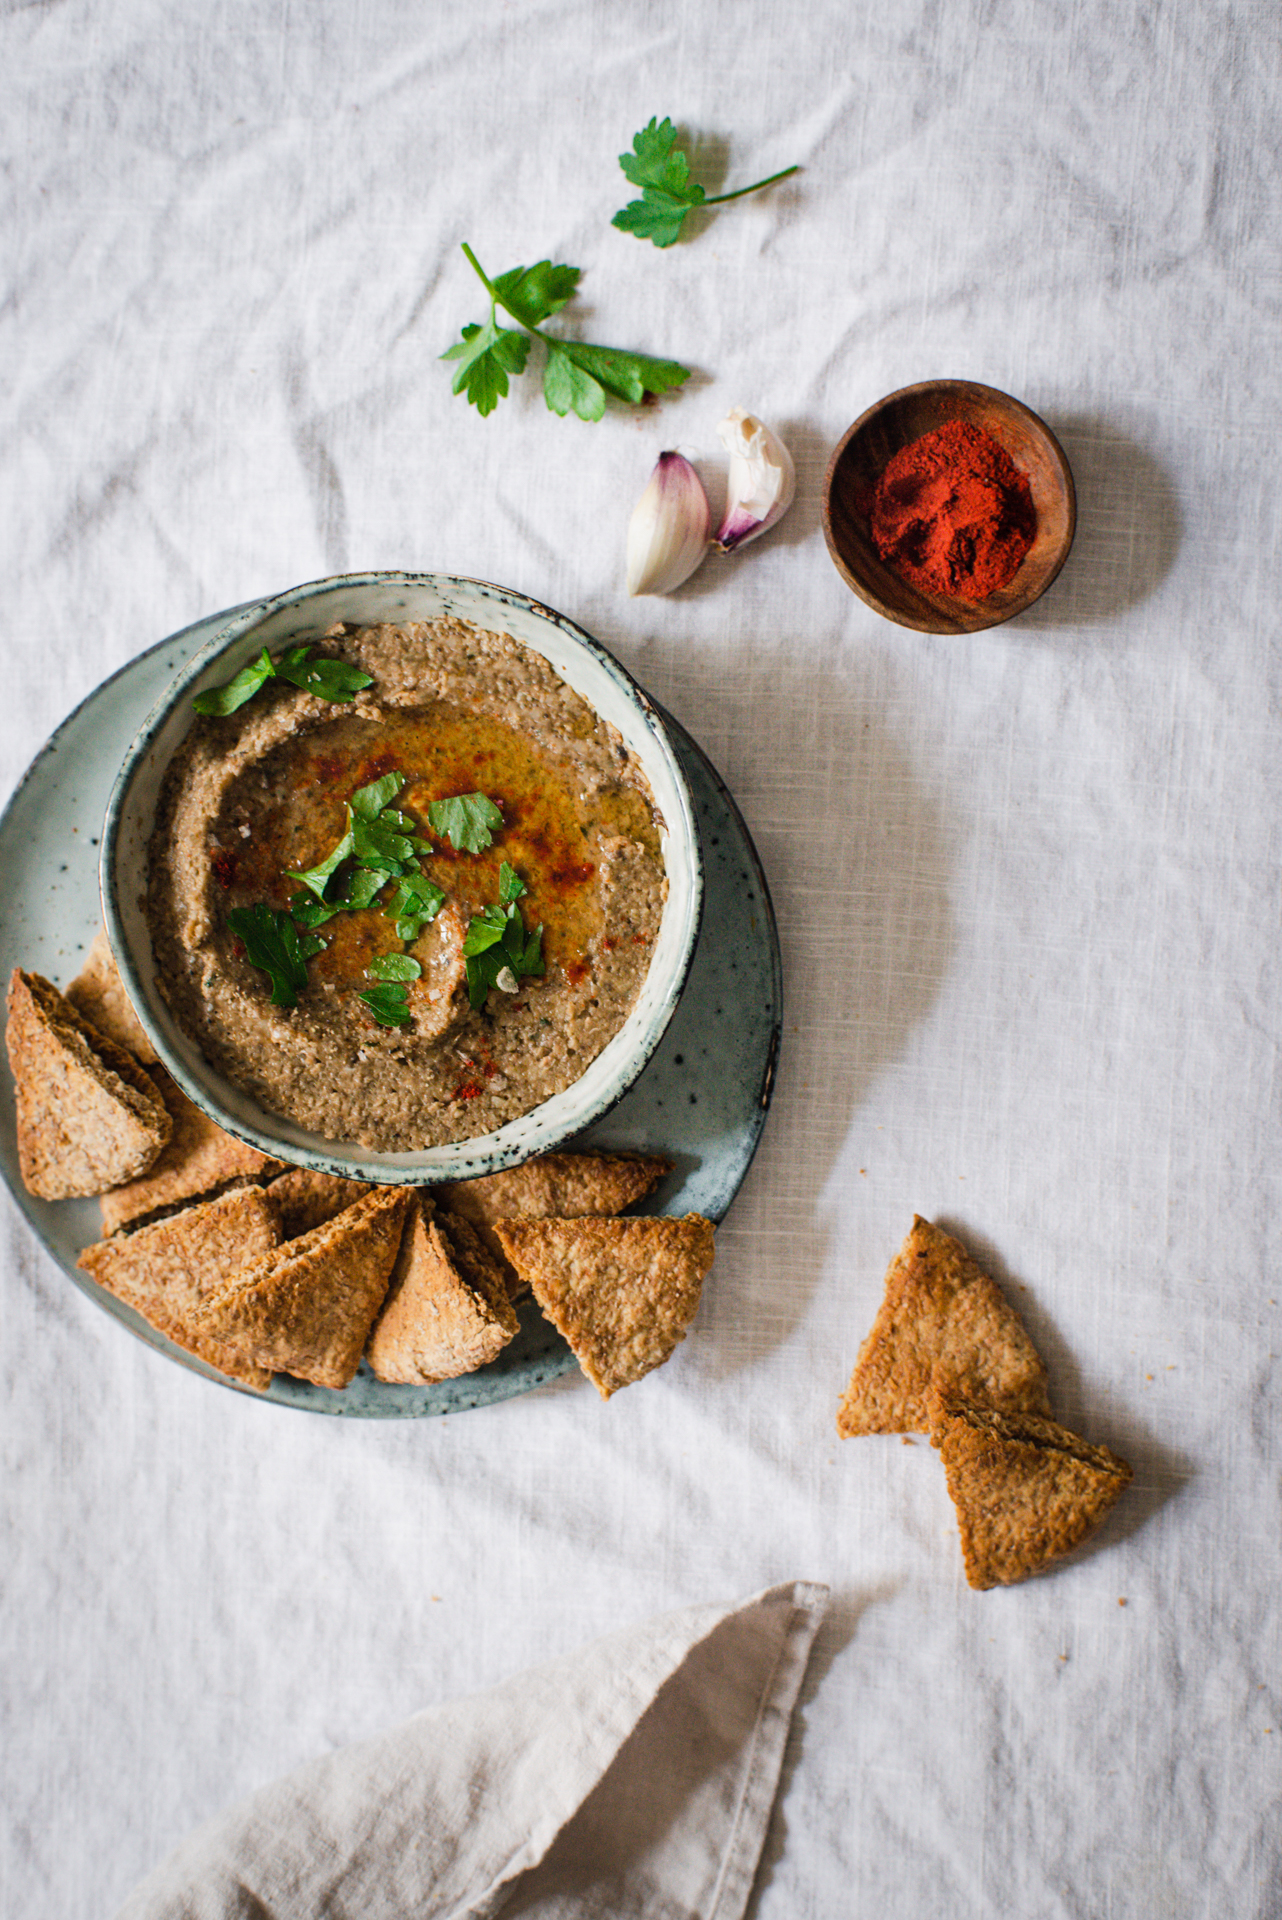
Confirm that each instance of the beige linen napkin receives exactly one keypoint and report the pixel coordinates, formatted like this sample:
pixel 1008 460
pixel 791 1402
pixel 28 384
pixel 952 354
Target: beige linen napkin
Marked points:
pixel 634 1777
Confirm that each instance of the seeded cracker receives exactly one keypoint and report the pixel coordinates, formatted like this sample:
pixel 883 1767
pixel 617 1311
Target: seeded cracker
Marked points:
pixel 1026 1489
pixel 447 1310
pixel 88 1116
pixel 942 1322
pixel 167 1271
pixel 199 1159
pixel 621 1292
pixel 307 1308
pixel 553 1185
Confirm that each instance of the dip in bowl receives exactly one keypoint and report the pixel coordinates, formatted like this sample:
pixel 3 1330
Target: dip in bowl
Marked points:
pixel 299 890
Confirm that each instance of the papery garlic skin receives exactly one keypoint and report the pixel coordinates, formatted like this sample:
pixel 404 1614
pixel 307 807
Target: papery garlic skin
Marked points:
pixel 762 479
pixel 668 531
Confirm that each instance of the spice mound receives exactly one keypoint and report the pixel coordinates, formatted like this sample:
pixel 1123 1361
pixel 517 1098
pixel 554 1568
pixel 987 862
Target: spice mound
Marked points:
pixel 953 514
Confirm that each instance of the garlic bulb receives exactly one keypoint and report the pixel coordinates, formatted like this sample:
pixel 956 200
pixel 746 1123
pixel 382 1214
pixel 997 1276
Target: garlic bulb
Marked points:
pixel 762 479
pixel 668 532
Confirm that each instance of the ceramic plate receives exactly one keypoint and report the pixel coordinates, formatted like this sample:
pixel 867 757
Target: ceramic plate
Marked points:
pixel 702 1100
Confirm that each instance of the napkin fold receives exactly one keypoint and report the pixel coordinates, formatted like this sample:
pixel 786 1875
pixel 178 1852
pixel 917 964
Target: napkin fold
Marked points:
pixel 633 1777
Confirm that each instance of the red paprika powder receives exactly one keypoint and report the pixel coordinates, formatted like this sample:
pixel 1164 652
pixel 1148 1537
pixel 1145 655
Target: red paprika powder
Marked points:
pixel 953 514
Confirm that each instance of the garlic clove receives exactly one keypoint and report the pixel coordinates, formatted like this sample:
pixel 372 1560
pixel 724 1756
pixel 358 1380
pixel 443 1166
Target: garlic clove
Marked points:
pixel 761 483
pixel 668 531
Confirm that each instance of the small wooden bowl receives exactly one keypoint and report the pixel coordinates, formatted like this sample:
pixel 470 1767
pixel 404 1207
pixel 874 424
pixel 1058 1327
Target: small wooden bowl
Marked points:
pixel 857 465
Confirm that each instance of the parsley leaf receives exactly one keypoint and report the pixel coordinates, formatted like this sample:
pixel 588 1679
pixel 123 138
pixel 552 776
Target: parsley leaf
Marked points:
pixel 415 902
pixel 467 821
pixel 327 678
pixel 272 944
pixel 532 294
pixel 489 354
pixel 577 377
pixel 497 950
pixel 394 966
pixel 370 801
pixel 657 165
pixel 389 1003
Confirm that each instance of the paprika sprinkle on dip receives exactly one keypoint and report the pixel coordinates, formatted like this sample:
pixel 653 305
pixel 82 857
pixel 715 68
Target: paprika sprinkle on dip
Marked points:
pixel 953 514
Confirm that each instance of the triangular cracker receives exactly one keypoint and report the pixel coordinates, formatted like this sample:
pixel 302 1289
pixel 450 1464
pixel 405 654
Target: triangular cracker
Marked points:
pixel 447 1310
pixel 98 995
pixel 88 1116
pixel 1026 1489
pixel 568 1185
pixel 305 1199
pixel 942 1322
pixel 621 1292
pixel 307 1308
pixel 168 1270
pixel 199 1158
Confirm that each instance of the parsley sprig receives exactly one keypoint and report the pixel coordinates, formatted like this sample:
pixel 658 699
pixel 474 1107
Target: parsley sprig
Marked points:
pixel 467 821
pixel 380 845
pixel 657 165
pixel 498 950
pixel 577 377
pixel 327 678
pixel 275 946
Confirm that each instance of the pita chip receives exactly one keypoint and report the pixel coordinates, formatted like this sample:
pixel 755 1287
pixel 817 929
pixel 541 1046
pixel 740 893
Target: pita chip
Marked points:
pixel 942 1323
pixel 307 1308
pixel 1026 1489
pixel 565 1185
pixel 199 1159
pixel 168 1270
pixel 98 995
pixel 88 1116
pixel 447 1310
pixel 621 1292
pixel 305 1199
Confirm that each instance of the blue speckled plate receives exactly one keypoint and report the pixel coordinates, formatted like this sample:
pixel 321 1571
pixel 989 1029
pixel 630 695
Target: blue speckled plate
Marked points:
pixel 702 1099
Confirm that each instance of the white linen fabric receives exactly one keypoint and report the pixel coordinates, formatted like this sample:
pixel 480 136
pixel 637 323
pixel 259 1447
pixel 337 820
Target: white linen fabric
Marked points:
pixel 1027 886
pixel 633 1778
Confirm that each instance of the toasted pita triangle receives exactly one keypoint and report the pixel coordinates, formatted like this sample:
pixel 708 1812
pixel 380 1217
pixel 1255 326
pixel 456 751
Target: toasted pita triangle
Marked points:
pixel 942 1322
pixel 88 1116
pixel 552 1185
pixel 305 1199
pixel 167 1271
pixel 447 1310
pixel 98 995
pixel 198 1159
pixel 307 1308
pixel 1026 1489
pixel 621 1292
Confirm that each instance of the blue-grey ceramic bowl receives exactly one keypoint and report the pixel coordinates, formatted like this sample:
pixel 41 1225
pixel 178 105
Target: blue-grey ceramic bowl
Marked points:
pixel 367 599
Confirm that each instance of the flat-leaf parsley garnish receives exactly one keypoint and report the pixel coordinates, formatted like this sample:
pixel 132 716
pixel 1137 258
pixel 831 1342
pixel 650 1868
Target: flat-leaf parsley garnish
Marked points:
pixel 577 377
pixel 389 1000
pixel 657 165
pixel 327 678
pixel 468 821
pixel 389 1003
pixel 498 950
pixel 414 904
pixel 274 945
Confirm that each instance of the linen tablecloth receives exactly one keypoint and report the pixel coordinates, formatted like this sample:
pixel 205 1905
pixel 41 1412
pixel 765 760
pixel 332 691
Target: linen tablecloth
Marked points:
pixel 1026 885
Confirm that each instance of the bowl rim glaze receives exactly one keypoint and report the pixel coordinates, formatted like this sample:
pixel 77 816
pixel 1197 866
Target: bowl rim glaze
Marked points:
pixel 390 596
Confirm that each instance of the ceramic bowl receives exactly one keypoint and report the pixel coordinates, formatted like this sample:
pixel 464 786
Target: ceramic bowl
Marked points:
pixel 876 436
pixel 367 599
